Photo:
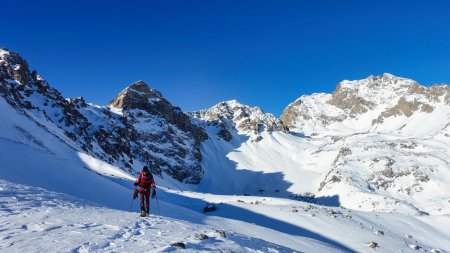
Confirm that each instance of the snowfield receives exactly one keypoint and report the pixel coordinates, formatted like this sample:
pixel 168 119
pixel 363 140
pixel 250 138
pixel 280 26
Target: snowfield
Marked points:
pixel 36 220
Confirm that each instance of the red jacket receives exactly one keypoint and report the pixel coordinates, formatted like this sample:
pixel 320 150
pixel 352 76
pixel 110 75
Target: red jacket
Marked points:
pixel 145 180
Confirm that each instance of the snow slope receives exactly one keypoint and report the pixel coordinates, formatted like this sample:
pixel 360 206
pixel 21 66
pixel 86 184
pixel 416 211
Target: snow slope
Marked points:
pixel 37 220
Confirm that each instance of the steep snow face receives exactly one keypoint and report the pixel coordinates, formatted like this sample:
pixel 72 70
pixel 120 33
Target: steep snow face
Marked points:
pixel 231 117
pixel 140 128
pixel 376 104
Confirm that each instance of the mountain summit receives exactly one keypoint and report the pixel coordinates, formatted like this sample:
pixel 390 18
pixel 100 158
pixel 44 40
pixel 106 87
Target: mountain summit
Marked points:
pixel 136 96
pixel 233 117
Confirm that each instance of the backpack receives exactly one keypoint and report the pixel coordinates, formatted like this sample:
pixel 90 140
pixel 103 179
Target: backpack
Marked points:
pixel 146 180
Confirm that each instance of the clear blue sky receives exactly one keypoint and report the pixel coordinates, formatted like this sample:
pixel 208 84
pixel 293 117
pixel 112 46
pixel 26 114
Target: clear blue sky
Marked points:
pixel 198 53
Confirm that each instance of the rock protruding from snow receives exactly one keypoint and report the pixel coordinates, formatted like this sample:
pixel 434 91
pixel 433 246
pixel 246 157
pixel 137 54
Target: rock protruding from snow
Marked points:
pixel 382 103
pixel 234 117
pixel 372 245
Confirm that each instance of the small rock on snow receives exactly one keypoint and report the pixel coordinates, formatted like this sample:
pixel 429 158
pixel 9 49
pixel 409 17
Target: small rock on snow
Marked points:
pixel 414 246
pixel 379 232
pixel 201 236
pixel 178 245
pixel 221 233
pixel 372 245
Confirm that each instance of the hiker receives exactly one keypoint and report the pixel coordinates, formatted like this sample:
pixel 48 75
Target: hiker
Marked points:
pixel 145 181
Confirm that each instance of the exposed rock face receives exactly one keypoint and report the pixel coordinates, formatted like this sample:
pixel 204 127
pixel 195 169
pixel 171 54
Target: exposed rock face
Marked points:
pixel 231 117
pixel 347 99
pixel 139 128
pixel 12 66
pixel 136 96
pixel 364 105
pixel 403 107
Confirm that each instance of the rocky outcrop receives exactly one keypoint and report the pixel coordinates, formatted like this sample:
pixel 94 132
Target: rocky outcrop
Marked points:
pixel 12 66
pixel 349 101
pixel 403 107
pixel 136 96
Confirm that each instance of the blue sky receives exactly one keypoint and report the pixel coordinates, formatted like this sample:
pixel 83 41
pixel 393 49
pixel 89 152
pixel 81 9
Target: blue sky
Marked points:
pixel 198 53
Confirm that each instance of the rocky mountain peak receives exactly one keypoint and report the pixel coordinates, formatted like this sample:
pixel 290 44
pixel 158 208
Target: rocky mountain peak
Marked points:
pixel 150 129
pixel 375 82
pixel 13 66
pixel 364 105
pixel 136 96
pixel 234 117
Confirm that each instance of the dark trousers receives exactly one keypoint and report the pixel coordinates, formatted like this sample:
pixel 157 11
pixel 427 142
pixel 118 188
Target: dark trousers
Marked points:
pixel 145 200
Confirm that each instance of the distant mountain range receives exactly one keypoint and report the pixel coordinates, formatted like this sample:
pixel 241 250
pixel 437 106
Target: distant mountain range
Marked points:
pixel 381 143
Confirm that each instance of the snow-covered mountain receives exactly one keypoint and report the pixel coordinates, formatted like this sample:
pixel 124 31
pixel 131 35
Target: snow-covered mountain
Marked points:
pixel 386 104
pixel 139 127
pixel 368 163
pixel 387 138
pixel 233 118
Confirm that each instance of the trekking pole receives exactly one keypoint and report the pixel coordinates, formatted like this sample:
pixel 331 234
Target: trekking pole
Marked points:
pixel 132 199
pixel 157 205
pixel 131 206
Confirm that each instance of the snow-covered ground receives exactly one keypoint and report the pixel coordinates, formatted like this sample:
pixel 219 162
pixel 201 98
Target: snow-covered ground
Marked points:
pixel 37 220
